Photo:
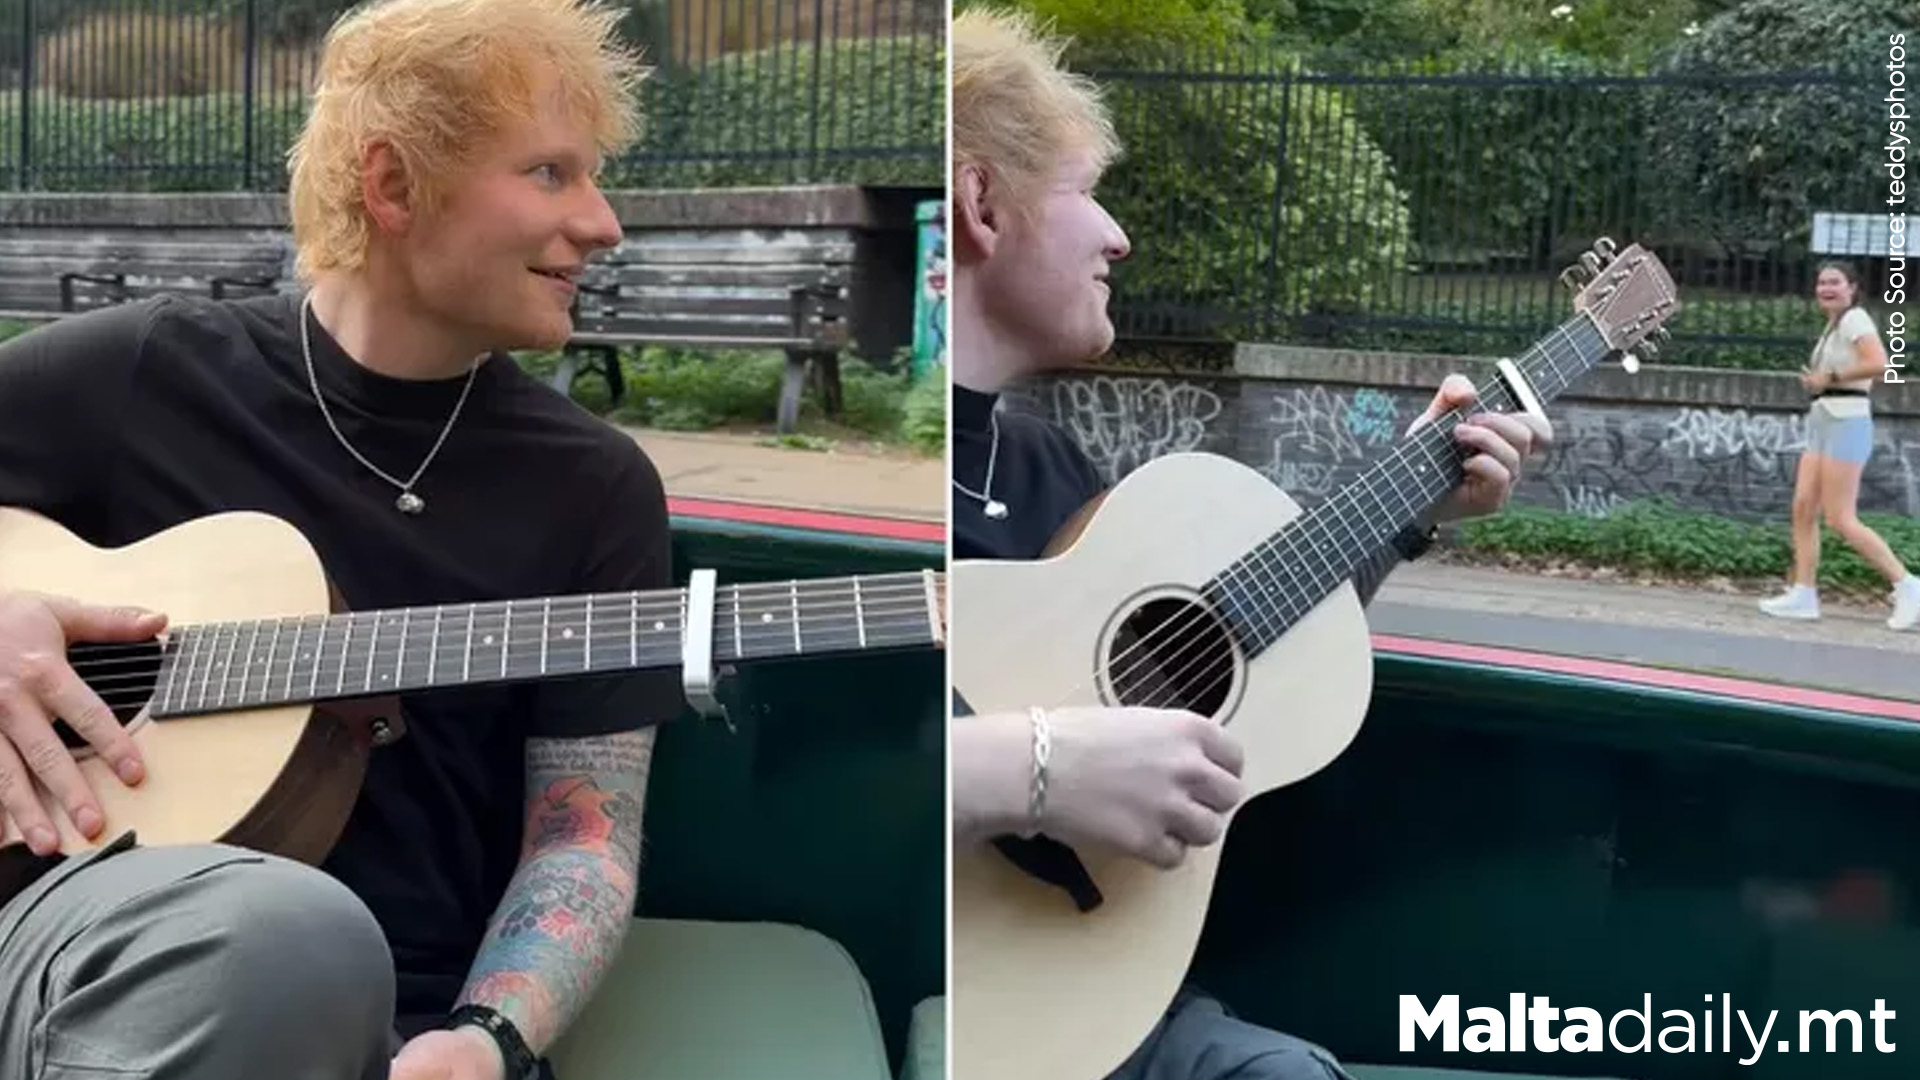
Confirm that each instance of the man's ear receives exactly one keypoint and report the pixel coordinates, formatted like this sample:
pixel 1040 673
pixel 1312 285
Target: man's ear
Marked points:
pixel 385 189
pixel 976 224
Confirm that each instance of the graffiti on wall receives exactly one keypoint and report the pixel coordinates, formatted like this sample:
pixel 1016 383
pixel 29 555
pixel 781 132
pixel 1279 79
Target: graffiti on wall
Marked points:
pixel 1122 422
pixel 1736 462
pixel 1312 439
pixel 1317 437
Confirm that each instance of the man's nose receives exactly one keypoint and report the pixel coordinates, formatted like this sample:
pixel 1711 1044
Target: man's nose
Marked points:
pixel 598 226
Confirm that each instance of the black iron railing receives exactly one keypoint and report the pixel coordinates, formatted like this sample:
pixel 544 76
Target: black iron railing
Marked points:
pixel 199 95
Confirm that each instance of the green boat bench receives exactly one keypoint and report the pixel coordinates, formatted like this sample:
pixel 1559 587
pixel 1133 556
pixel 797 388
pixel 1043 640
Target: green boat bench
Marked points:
pixel 791 918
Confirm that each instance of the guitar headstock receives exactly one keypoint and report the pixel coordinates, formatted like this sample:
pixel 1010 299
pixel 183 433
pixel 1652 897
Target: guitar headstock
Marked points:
pixel 1629 296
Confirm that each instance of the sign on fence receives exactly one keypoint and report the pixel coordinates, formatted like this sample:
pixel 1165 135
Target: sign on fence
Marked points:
pixel 1860 234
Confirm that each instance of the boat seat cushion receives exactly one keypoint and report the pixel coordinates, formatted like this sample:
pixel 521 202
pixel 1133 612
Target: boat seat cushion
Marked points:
pixel 695 1000
pixel 927 1041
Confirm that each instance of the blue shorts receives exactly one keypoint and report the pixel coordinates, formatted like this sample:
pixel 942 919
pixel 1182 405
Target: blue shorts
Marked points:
pixel 1847 438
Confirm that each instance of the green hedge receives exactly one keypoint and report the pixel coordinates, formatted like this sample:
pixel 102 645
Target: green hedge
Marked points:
pixel 1206 164
pixel 876 114
pixel 1748 168
pixel 883 96
pixel 1527 170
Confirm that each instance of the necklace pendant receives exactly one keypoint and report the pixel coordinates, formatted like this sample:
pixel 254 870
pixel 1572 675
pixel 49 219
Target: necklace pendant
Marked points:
pixel 996 509
pixel 409 503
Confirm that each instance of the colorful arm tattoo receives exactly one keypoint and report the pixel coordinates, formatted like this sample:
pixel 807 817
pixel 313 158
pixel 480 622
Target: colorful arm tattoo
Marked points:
pixel 560 924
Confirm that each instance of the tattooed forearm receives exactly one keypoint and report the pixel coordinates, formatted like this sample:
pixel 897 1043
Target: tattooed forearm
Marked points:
pixel 565 912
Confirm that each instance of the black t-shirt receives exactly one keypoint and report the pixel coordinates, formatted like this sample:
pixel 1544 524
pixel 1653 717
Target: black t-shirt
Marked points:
pixel 135 418
pixel 1039 472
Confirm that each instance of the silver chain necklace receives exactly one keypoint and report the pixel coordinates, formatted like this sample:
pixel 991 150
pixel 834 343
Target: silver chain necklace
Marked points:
pixel 995 509
pixel 408 502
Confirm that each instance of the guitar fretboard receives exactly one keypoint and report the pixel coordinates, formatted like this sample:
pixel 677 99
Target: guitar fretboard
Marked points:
pixel 1270 588
pixel 224 666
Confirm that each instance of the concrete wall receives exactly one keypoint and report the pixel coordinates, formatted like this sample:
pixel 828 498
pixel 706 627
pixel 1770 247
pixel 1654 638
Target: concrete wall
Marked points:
pixel 1312 420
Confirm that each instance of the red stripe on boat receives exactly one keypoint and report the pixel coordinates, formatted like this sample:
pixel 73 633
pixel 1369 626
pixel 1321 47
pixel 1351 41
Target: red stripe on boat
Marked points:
pixel 819 520
pixel 1619 671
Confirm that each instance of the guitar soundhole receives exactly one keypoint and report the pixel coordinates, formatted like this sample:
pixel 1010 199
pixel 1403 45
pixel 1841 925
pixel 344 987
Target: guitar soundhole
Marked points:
pixel 122 676
pixel 1171 654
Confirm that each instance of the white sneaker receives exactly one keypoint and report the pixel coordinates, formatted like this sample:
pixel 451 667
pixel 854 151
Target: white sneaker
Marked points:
pixel 1906 604
pixel 1798 602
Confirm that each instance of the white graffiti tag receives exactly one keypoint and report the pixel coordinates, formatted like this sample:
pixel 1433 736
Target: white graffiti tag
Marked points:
pixel 1123 422
pixel 1311 424
pixel 1727 433
pixel 1590 502
pixel 1316 432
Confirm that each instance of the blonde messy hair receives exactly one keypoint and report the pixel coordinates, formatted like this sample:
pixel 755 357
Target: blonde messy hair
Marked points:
pixel 436 79
pixel 1016 111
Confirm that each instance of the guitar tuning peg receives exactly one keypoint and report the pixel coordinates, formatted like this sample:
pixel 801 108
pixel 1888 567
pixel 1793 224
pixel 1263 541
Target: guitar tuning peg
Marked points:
pixel 1630 363
pixel 1573 278
pixel 1591 263
pixel 1648 350
pixel 1663 335
pixel 1605 248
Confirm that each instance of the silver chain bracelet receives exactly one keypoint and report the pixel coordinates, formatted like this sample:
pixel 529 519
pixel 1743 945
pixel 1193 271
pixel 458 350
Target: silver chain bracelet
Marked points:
pixel 1042 750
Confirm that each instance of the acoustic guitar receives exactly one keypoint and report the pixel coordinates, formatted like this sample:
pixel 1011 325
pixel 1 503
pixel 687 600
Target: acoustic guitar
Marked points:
pixel 1195 583
pixel 256 708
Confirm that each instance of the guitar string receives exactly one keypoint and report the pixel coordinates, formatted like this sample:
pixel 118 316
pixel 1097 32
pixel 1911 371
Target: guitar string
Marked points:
pixel 1196 616
pixel 1222 661
pixel 879 617
pixel 1205 650
pixel 1162 645
pixel 1291 611
pixel 616 608
pixel 339 632
pixel 883 617
pixel 825 631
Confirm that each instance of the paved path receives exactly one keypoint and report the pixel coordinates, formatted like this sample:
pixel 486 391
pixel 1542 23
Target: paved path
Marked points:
pixel 855 481
pixel 1849 649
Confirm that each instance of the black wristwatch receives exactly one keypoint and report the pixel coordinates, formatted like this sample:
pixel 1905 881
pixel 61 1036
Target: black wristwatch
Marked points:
pixel 513 1049
pixel 1413 541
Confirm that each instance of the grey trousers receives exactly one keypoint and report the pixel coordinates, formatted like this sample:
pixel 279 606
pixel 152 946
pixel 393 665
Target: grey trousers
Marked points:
pixel 192 963
pixel 1197 1039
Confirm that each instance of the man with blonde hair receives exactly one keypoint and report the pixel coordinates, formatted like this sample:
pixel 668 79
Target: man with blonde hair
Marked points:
pixel 1031 251
pixel 444 199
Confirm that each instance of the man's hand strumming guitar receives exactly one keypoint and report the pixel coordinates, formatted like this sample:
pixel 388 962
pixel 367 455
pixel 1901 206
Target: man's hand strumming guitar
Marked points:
pixel 38 686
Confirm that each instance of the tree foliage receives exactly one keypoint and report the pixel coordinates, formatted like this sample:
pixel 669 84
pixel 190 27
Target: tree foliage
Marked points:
pixel 1753 167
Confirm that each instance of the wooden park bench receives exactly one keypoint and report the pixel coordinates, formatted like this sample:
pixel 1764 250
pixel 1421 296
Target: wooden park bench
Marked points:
pixel 48 275
pixel 61 254
pixel 810 271
pixel 746 288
